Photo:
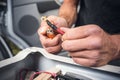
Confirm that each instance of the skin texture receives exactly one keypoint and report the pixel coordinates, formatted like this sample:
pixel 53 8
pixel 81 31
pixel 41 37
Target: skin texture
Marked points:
pixel 88 45
pixel 68 10
pixel 51 45
pixel 54 45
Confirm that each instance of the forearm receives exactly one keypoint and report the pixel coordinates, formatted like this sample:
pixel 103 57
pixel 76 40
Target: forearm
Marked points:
pixel 68 10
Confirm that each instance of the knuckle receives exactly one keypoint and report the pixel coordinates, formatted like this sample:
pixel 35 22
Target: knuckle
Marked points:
pixel 94 54
pixel 50 50
pixel 96 62
pixel 93 63
pixel 45 43
pixel 66 46
pixel 55 42
pixel 55 49
pixel 66 35
pixel 95 29
pixel 96 43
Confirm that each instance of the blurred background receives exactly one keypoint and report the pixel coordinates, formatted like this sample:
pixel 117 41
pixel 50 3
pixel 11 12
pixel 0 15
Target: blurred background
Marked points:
pixel 19 22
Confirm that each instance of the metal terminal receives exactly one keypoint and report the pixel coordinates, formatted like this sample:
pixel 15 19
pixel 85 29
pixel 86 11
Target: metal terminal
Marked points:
pixel 50 33
pixel 43 18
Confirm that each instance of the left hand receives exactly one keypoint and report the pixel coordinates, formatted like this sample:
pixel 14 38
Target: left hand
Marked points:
pixel 89 45
pixel 51 45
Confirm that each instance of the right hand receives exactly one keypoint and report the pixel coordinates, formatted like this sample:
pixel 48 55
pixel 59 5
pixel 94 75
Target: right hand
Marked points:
pixel 51 45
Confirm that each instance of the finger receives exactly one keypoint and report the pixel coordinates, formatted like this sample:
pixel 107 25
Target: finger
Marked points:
pixel 48 42
pixel 88 54
pixel 43 28
pixel 80 32
pixel 75 33
pixel 54 49
pixel 85 62
pixel 52 18
pixel 58 21
pixel 44 25
pixel 88 43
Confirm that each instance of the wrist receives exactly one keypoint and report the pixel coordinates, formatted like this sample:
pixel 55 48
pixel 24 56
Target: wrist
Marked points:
pixel 115 40
pixel 70 15
pixel 67 20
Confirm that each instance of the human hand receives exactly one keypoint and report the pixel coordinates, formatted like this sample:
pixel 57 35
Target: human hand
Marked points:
pixel 89 45
pixel 51 45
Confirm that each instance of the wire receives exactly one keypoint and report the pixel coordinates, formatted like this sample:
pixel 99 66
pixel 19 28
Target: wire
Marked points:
pixel 23 70
pixel 37 73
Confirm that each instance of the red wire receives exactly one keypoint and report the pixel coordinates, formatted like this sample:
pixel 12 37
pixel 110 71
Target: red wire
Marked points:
pixel 32 76
pixel 37 73
pixel 26 70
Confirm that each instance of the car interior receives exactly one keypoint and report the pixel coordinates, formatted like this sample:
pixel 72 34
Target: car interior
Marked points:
pixel 19 22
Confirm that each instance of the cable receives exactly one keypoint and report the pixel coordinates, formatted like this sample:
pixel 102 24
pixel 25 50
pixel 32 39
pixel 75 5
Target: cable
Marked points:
pixel 21 71
pixel 37 73
pixel 33 75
